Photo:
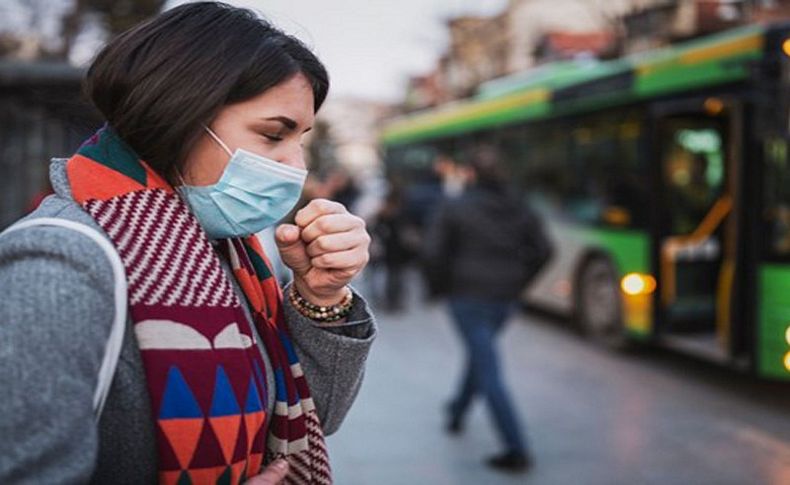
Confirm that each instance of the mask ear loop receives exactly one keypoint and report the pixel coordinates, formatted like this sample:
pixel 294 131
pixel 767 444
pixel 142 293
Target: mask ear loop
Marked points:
pixel 217 139
pixel 181 179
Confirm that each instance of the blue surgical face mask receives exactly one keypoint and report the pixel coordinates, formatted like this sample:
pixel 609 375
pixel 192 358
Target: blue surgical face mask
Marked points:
pixel 253 193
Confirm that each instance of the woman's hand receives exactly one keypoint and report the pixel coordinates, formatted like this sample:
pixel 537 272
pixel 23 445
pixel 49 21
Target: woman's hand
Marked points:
pixel 326 249
pixel 272 474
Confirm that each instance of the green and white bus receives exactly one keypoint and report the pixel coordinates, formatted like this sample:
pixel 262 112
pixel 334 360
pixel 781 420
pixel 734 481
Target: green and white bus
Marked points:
pixel 664 180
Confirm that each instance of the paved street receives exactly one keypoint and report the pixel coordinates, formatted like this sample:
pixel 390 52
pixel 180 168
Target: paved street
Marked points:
pixel 595 417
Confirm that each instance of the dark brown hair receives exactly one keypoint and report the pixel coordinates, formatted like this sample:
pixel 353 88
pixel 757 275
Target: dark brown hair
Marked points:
pixel 159 82
pixel 491 173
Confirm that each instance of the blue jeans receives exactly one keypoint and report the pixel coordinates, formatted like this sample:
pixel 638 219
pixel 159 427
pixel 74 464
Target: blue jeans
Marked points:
pixel 478 323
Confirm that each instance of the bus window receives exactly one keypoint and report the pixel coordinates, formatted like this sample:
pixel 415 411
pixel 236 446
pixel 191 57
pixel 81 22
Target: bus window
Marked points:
pixel 694 162
pixel 546 176
pixel 608 171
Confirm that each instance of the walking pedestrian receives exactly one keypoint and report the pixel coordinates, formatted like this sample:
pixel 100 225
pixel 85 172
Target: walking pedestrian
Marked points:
pixel 481 250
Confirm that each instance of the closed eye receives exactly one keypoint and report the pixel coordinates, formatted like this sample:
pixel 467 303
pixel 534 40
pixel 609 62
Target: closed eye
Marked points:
pixel 273 137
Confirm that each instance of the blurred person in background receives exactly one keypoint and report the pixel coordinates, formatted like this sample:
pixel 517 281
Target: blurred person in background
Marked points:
pixel 342 187
pixel 481 251
pixel 220 378
pixel 452 174
pixel 390 230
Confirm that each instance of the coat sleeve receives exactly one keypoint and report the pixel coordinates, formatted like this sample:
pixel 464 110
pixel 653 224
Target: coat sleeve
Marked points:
pixel 436 254
pixel 56 313
pixel 333 358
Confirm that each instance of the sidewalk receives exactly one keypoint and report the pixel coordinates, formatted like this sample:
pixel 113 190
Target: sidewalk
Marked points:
pixel 595 417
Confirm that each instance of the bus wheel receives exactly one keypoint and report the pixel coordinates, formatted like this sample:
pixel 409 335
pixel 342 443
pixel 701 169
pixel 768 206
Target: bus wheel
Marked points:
pixel 598 304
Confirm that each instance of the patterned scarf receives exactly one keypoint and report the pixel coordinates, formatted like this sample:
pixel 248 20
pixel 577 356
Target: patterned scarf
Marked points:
pixel 205 373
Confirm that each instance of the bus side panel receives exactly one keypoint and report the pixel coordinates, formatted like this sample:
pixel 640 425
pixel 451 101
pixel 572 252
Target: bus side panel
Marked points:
pixel 553 288
pixel 629 252
pixel 774 320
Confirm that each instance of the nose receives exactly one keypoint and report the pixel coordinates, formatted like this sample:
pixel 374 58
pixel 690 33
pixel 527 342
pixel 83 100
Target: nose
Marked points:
pixel 294 156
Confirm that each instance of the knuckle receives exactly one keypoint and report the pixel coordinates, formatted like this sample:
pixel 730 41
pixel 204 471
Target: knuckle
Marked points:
pixel 310 233
pixel 301 214
pixel 322 244
pixel 325 205
pixel 315 227
pixel 323 224
pixel 323 261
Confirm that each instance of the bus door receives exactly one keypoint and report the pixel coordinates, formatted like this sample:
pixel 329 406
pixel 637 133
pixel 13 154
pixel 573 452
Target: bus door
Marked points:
pixel 696 244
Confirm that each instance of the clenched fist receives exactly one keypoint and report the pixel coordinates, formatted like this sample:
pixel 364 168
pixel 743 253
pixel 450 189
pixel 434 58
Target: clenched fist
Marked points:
pixel 326 248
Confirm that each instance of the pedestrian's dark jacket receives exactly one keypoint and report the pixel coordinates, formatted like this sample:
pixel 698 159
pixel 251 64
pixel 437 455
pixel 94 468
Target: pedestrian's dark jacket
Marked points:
pixel 484 244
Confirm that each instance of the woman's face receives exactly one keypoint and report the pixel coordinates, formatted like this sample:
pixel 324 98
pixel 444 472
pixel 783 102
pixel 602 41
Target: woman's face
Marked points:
pixel 271 124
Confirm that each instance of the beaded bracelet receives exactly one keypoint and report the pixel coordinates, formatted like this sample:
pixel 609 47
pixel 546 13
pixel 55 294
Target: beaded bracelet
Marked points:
pixel 322 314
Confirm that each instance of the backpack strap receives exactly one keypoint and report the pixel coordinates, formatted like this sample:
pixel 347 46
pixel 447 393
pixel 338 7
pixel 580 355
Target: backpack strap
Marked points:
pixel 112 351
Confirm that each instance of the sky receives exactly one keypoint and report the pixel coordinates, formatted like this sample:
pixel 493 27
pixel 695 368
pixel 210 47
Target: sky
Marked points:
pixel 370 47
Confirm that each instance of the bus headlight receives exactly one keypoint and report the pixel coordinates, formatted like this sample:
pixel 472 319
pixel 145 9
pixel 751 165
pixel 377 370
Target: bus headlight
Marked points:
pixel 638 284
pixel 787 355
pixel 786 47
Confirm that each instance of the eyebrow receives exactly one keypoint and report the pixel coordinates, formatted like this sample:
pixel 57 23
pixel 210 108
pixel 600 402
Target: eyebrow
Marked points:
pixel 288 122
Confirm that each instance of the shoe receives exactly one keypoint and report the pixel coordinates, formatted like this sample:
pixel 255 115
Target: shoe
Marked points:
pixel 511 461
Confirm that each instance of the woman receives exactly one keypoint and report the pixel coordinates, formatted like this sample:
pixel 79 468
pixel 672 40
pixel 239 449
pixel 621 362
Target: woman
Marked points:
pixel 219 379
pixel 482 249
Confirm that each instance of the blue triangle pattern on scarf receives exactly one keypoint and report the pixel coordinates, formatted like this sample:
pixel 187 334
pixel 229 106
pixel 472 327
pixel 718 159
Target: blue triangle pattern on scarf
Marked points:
pixel 253 399
pixel 178 400
pixel 224 402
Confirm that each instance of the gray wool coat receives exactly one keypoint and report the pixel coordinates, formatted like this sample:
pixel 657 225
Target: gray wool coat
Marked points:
pixel 56 310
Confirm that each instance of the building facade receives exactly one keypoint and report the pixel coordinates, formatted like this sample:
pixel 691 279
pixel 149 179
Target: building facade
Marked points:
pixel 531 32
